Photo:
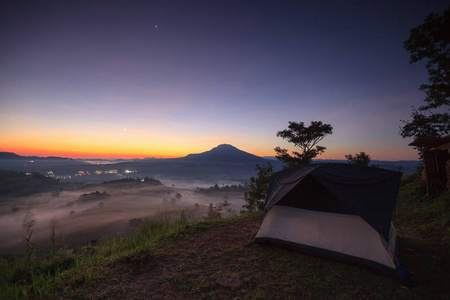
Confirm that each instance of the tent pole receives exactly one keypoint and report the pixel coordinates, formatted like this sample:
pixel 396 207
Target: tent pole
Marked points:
pixel 254 229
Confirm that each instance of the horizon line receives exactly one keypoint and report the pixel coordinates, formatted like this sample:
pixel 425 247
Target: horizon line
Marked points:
pixel 267 157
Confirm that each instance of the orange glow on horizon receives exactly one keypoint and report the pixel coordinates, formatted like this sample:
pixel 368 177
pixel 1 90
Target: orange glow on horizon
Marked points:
pixel 138 147
pixel 82 154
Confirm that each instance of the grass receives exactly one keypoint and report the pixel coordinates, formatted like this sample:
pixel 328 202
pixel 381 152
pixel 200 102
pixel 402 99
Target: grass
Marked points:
pixel 45 275
pixel 177 258
pixel 423 217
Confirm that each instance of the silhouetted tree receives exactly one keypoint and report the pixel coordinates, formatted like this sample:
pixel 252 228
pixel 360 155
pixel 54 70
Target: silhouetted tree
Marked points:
pixel 361 159
pixel 258 188
pixel 304 137
pixel 431 42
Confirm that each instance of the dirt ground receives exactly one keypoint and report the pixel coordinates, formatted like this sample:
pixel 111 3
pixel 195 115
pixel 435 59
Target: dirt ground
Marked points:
pixel 164 273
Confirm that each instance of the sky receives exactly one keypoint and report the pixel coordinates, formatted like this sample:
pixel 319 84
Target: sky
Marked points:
pixel 135 79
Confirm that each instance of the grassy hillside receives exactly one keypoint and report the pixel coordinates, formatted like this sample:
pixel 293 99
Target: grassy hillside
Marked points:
pixel 210 259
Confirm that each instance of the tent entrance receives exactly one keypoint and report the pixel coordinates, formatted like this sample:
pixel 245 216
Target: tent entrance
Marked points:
pixel 310 194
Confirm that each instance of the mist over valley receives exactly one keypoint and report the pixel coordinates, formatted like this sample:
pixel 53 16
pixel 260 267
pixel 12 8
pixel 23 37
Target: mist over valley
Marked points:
pixel 81 214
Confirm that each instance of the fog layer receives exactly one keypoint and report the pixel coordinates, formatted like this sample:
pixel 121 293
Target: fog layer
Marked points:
pixel 95 212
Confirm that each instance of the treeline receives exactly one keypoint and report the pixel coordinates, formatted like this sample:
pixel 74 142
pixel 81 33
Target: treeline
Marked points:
pixel 94 196
pixel 146 180
pixel 226 188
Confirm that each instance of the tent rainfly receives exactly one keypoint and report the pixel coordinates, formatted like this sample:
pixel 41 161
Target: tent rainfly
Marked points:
pixel 341 211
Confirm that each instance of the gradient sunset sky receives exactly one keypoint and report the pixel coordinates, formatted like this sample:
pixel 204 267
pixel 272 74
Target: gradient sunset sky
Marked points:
pixel 122 79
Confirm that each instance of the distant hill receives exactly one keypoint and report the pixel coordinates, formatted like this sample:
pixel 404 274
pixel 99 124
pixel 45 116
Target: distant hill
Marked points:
pixel 225 153
pixel 32 164
pixel 408 167
pixel 14 183
pixel 10 155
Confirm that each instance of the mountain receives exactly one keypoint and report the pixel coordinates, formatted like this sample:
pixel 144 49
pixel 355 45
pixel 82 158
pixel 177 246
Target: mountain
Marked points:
pixel 225 153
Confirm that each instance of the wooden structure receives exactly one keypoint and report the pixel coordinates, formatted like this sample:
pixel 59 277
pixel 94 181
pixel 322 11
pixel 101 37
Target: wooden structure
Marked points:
pixel 436 159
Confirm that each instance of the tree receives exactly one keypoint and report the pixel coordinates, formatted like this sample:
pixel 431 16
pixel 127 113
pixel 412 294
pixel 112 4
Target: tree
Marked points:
pixel 361 159
pixel 304 137
pixel 431 41
pixel 258 188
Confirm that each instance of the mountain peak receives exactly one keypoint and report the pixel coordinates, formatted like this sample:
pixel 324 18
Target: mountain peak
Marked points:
pixel 225 146
pixel 225 153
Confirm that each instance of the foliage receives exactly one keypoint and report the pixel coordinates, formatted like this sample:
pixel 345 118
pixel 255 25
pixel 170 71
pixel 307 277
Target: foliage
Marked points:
pixel 304 137
pixel 28 223
pixel 258 188
pixel 431 41
pixel 423 125
pixel 361 159
pixel 53 225
pixel 225 209
pixel 226 188
pixel 212 212
pixel 94 196
pixel 423 217
pixel 147 180
pixel 222 209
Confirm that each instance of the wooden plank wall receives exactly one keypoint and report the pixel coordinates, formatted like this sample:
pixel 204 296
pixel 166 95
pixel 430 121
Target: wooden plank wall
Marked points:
pixel 435 162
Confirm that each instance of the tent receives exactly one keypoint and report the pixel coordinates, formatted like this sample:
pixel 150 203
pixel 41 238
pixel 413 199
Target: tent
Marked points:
pixel 341 211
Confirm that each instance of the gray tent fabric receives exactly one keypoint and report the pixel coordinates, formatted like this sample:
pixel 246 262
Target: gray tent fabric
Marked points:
pixel 368 192
pixel 347 238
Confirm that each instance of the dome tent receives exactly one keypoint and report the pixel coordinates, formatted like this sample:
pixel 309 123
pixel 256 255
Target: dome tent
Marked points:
pixel 338 210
